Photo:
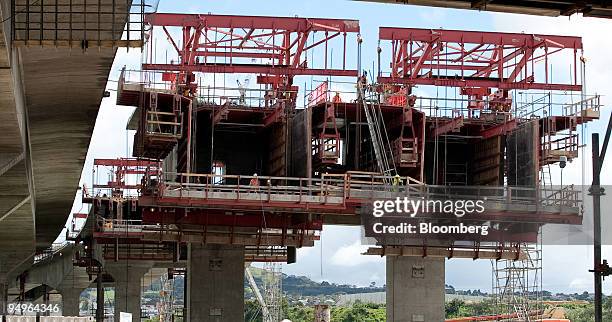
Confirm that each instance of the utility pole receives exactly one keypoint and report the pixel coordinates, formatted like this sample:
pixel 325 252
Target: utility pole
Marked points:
pixel 600 269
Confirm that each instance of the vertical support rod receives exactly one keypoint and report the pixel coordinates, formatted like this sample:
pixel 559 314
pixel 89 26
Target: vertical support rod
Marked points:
pixel 595 192
pixel 99 299
pixel 189 120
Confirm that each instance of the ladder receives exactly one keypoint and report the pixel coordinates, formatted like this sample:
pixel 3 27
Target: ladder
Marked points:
pixel 380 140
pixel 545 176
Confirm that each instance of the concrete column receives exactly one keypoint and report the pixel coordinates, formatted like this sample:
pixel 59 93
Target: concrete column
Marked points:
pixel 415 289
pixel 215 280
pixel 71 300
pixel 3 296
pixel 127 287
pixel 99 299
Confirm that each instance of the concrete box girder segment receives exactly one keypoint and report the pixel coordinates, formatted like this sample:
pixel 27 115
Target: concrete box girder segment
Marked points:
pixel 62 91
pixel 16 188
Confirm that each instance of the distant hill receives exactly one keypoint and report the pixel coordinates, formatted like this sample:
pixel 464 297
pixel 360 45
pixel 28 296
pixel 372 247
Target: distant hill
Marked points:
pixel 292 285
pixel 304 286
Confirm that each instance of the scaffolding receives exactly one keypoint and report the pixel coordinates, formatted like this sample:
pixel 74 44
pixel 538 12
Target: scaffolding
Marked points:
pixel 517 284
pixel 165 306
pixel 270 298
pixel 273 291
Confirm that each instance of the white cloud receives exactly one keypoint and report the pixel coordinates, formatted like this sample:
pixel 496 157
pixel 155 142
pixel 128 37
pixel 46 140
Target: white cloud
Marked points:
pixel 580 284
pixel 351 256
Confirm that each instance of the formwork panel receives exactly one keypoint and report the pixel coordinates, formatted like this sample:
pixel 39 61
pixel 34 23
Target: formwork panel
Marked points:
pixel 301 161
pixel 522 155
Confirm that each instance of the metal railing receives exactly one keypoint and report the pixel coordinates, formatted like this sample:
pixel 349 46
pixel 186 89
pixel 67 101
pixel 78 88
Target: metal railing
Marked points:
pixel 588 104
pixel 51 251
pixel 120 225
pixel 254 188
pixel 353 187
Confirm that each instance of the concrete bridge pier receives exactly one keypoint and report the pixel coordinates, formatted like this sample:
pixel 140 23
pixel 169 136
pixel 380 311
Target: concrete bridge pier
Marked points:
pixel 215 283
pixel 3 296
pixel 71 299
pixel 128 277
pixel 415 289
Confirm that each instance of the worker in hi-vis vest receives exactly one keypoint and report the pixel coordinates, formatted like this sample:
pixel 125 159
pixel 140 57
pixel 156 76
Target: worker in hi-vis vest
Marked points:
pixel 397 181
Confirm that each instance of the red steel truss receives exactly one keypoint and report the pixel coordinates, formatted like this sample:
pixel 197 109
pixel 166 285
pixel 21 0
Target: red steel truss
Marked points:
pixel 123 167
pixel 478 60
pixel 249 44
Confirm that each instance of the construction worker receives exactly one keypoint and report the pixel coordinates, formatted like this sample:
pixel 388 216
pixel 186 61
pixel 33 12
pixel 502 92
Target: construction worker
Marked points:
pixel 254 181
pixel 396 182
pixel 363 80
pixel 337 98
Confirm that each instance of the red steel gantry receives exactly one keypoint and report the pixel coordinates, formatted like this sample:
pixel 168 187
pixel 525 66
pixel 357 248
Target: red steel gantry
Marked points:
pixel 273 47
pixel 475 59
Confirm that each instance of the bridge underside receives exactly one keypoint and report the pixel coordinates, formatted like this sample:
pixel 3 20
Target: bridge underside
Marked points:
pixel 53 72
pixel 16 202
pixel 63 92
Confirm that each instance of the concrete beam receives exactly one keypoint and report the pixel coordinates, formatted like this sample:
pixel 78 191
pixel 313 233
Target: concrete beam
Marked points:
pixel 215 283
pixel 3 295
pixel 415 289
pixel 15 207
pixel 10 161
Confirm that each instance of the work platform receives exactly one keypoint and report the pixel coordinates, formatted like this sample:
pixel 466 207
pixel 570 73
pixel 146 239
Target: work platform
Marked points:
pixel 289 211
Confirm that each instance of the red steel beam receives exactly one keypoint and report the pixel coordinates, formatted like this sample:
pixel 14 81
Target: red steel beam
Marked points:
pixel 251 22
pixel 454 124
pixel 484 82
pixel 250 69
pixel 126 162
pixel 477 37
pixel 208 218
pixel 499 129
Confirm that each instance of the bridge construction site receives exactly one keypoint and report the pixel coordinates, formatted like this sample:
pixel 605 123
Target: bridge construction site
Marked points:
pixel 253 133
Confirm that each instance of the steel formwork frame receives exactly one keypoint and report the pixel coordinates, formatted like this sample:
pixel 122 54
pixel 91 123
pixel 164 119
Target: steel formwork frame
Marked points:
pixel 282 40
pixel 121 168
pixel 474 59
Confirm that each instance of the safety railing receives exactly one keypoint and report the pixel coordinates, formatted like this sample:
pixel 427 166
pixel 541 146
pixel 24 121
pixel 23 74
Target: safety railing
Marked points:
pixel 119 225
pixel 52 250
pixel 163 124
pixel 241 97
pixel 581 108
pixel 356 187
pixel 144 80
pixel 555 147
pixel 329 190
pixel 564 196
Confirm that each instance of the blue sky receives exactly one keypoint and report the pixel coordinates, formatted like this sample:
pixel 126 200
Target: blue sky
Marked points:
pixel 336 258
